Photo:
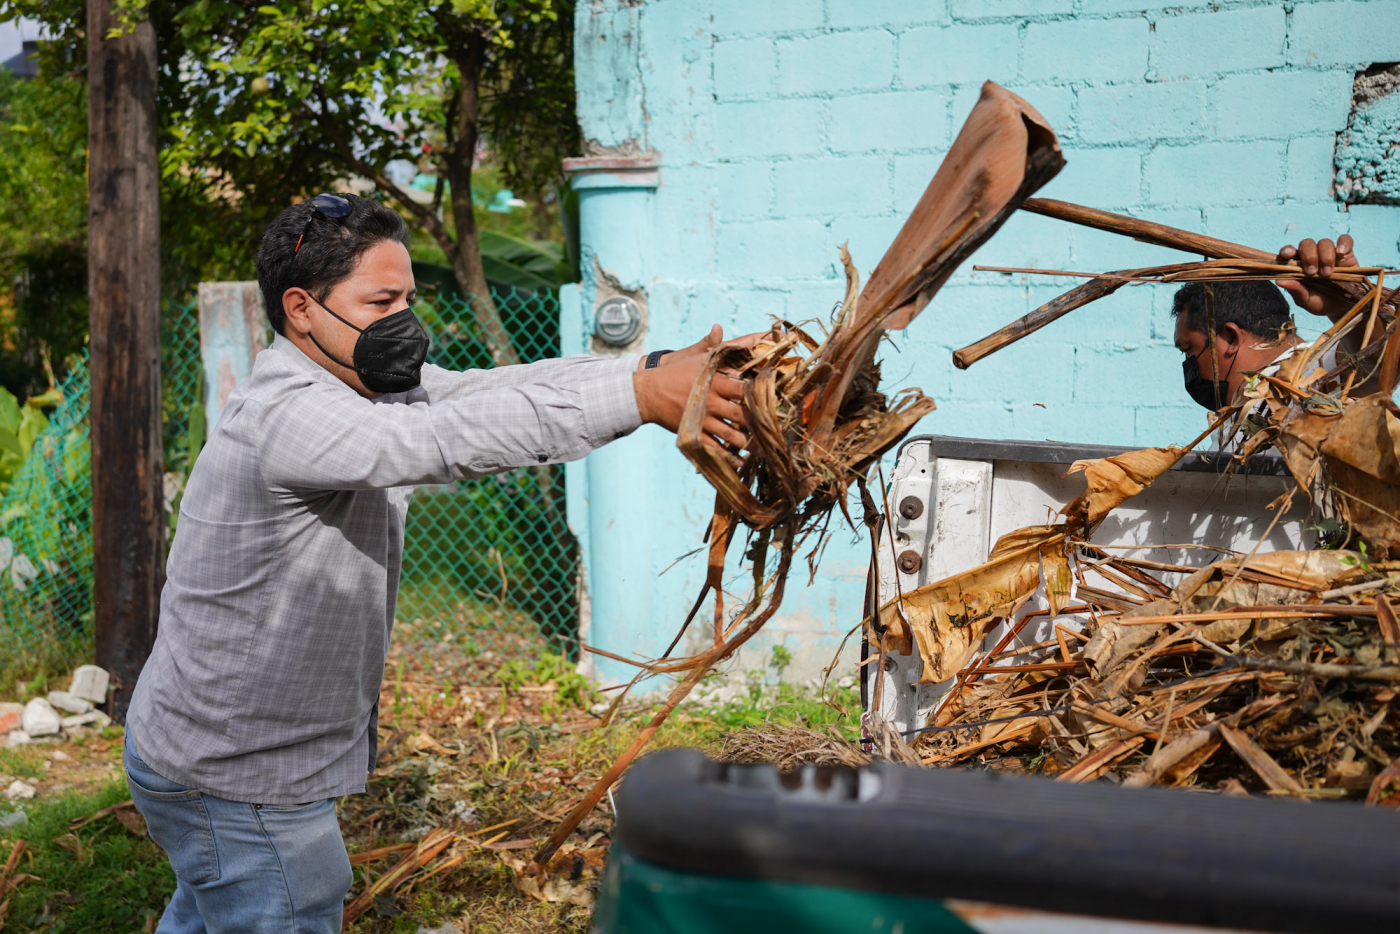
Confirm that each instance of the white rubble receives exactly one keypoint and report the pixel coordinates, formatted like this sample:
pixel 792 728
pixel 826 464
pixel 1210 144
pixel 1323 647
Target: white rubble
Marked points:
pixel 70 703
pixel 20 789
pixel 90 683
pixel 17 738
pixel 40 719
pixel 86 719
pixel 58 755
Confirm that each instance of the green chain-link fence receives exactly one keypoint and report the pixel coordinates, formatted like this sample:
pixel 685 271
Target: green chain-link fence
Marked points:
pixel 489 565
pixel 46 538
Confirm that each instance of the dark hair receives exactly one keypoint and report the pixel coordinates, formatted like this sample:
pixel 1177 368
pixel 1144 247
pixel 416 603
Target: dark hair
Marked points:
pixel 1254 306
pixel 328 253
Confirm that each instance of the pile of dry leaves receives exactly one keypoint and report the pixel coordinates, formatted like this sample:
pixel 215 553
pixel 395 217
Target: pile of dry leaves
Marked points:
pixel 1287 661
pixel 1274 672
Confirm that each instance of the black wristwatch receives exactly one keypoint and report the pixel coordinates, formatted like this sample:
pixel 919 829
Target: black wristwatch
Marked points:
pixel 654 358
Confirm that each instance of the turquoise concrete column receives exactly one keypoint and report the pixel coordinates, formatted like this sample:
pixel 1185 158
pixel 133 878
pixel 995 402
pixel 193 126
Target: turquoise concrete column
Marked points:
pixel 609 492
pixel 232 330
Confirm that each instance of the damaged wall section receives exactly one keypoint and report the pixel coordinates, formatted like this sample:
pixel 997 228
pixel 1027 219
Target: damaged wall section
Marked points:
pixel 1368 150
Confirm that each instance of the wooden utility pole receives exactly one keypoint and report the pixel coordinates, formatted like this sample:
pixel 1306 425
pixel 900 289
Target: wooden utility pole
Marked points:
pixel 128 510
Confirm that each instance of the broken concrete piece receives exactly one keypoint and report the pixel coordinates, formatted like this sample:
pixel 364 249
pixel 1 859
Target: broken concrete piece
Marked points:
pixel 90 683
pixel 70 703
pixel 95 717
pixel 10 721
pixel 20 789
pixel 17 738
pixel 40 719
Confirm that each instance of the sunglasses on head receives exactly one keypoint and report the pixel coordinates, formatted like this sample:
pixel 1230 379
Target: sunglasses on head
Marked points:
pixel 333 206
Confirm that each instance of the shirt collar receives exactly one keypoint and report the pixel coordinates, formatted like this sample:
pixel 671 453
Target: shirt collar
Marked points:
pixel 294 355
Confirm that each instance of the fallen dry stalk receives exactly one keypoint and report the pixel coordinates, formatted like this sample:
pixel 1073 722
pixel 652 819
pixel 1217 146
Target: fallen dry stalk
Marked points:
pixel 1298 694
pixel 788 746
pixel 10 880
pixel 423 853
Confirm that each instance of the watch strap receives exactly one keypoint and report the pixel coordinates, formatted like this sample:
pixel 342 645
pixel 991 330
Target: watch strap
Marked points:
pixel 654 358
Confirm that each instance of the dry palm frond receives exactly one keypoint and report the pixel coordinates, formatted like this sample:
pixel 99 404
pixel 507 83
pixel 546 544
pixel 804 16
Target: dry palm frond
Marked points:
pixel 816 415
pixel 1231 261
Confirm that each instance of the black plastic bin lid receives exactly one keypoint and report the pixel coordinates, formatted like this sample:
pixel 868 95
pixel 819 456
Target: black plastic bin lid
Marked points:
pixel 1099 849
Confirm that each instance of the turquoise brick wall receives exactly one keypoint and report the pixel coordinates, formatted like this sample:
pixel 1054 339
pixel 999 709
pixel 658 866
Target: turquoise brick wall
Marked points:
pixel 787 127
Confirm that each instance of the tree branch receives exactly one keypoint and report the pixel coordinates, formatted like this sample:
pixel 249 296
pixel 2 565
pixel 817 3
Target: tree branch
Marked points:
pixel 428 217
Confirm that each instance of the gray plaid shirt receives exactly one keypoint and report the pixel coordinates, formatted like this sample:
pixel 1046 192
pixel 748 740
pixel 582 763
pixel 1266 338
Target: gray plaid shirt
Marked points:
pixel 278 605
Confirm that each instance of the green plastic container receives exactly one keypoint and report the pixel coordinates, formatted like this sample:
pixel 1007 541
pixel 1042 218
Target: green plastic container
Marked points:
pixel 638 897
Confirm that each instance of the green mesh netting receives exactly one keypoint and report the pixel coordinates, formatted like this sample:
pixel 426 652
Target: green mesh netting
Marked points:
pixel 489 565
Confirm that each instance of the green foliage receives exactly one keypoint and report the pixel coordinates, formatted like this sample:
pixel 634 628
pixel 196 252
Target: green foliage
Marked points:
pixel 46 549
pixel 373 81
pixel 19 426
pixel 22 761
pixel 780 660
pixel 260 105
pixel 510 263
pixel 207 230
pixel 571 688
pixel 43 138
pixel 282 99
pixel 789 704
pixel 522 264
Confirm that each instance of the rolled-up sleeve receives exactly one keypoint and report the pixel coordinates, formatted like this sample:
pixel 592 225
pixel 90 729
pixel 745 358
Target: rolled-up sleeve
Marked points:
pixel 323 436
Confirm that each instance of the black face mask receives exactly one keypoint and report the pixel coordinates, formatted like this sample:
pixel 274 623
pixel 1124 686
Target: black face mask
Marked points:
pixel 1207 393
pixel 389 353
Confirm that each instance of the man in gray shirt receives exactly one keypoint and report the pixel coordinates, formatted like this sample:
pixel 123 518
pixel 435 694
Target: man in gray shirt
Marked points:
pixel 258 706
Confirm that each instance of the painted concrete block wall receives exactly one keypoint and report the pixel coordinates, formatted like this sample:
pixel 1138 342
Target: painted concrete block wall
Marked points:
pixel 787 127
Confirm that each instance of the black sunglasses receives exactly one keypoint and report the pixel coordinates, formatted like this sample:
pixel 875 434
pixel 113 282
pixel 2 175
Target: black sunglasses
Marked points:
pixel 330 205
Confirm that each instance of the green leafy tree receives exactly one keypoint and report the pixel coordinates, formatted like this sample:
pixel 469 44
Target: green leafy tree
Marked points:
pixel 43 318
pixel 354 87
pixel 209 229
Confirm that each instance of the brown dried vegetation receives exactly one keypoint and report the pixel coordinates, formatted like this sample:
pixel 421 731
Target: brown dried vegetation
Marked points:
pixel 1274 673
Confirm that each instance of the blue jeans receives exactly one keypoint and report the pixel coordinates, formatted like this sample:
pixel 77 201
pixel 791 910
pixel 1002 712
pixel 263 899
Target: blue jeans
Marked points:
pixel 249 868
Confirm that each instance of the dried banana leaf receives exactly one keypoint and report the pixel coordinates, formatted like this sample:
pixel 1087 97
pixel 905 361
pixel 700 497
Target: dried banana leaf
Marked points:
pixel 819 421
pixel 1004 152
pixel 1109 481
pixel 1346 452
pixel 949 618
